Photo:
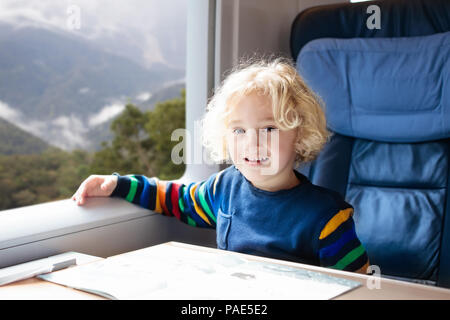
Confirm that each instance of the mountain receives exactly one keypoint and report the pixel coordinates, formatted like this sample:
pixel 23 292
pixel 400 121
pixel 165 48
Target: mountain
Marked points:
pixel 14 140
pixel 171 91
pixel 59 82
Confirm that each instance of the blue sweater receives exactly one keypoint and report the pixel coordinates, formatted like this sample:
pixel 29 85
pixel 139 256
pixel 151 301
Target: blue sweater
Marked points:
pixel 307 223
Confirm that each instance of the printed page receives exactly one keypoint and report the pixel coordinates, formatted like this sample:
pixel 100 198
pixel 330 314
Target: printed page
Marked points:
pixel 169 272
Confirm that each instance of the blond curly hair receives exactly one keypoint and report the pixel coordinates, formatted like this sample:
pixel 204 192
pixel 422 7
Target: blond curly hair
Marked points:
pixel 295 106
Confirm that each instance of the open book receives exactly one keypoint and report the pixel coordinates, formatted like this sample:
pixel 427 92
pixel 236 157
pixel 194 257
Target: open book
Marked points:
pixel 172 272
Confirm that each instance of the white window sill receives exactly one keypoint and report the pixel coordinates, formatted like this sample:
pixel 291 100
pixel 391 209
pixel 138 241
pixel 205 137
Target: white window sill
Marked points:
pixel 53 219
pixel 102 227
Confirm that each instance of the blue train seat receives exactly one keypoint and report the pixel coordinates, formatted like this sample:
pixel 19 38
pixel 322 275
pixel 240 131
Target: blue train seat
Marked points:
pixel 387 99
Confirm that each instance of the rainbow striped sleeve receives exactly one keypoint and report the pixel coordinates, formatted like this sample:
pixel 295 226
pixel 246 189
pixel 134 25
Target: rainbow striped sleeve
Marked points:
pixel 192 203
pixel 339 246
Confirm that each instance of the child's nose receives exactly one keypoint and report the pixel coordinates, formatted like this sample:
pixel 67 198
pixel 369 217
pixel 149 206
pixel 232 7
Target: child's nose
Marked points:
pixel 256 137
pixel 252 138
pixel 255 143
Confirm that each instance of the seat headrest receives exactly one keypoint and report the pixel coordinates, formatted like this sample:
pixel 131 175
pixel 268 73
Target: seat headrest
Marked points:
pixel 384 89
pixel 399 18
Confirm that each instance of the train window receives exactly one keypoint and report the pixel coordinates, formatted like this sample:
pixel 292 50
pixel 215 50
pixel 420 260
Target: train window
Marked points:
pixel 88 87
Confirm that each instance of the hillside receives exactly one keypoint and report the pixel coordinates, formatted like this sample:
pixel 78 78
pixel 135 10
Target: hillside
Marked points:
pixel 58 82
pixel 14 140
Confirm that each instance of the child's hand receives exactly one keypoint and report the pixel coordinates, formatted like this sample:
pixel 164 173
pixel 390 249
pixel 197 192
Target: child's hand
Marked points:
pixel 95 186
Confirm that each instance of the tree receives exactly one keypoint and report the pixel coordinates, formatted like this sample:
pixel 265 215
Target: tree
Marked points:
pixel 142 143
pixel 51 175
pixel 165 118
pixel 130 149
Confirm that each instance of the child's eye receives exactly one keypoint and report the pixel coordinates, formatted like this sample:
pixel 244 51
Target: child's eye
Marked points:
pixel 269 129
pixel 238 131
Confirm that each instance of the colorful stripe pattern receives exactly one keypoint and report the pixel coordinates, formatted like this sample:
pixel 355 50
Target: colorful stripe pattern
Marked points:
pixel 196 204
pixel 192 204
pixel 339 246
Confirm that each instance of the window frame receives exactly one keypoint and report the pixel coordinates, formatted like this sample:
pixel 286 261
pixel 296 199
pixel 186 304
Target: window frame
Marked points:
pixel 109 226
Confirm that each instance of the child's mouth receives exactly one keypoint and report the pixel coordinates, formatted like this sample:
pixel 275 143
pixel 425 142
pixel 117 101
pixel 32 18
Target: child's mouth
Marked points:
pixel 256 162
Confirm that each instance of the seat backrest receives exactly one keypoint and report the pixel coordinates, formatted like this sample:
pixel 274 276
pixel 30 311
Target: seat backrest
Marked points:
pixel 388 103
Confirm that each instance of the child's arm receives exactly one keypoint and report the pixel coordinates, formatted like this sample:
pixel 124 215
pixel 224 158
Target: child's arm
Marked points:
pixel 193 203
pixel 339 246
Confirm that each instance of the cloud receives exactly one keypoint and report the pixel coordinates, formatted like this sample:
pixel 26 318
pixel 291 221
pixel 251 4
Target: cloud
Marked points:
pixel 8 113
pixel 107 113
pixel 16 117
pixel 84 90
pixel 69 132
pixel 154 30
pixel 66 132
pixel 144 96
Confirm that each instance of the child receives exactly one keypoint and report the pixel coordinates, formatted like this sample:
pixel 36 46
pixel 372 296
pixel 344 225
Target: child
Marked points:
pixel 266 121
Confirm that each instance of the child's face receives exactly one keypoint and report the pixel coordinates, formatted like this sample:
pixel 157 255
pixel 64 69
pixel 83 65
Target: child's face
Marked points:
pixel 264 154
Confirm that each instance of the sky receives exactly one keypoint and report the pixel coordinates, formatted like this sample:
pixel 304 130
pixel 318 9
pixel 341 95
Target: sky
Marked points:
pixel 147 31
